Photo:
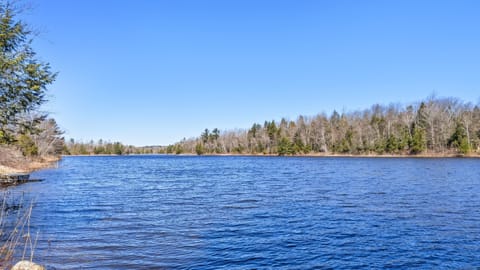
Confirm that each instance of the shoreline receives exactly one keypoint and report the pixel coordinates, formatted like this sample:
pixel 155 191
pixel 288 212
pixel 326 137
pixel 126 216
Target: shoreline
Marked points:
pixel 344 155
pixel 30 166
pixel 319 155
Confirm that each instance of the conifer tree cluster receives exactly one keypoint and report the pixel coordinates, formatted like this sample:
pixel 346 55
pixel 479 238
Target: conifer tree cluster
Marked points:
pixel 23 86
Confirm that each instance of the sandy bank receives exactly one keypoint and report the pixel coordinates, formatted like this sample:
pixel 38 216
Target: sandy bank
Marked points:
pixel 27 166
pixel 33 166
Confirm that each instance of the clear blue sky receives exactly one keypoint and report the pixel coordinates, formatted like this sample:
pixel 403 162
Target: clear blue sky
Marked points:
pixel 153 72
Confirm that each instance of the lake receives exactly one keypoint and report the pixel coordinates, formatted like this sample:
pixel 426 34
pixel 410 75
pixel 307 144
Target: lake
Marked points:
pixel 189 212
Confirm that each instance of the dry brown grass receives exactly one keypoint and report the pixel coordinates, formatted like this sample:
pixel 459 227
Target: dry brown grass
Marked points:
pixel 16 241
pixel 12 161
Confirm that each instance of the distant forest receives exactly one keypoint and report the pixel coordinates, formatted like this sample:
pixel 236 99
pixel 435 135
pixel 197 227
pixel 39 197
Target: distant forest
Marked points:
pixel 436 126
pixel 102 147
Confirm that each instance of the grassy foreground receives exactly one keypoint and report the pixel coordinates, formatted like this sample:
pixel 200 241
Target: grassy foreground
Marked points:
pixel 16 240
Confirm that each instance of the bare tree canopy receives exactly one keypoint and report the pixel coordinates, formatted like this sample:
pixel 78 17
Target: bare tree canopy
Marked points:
pixel 433 126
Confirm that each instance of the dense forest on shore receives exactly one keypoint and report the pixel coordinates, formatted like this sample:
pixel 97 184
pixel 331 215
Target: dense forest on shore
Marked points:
pixel 436 126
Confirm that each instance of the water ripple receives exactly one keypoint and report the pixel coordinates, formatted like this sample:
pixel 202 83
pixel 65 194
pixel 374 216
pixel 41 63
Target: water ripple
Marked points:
pixel 166 212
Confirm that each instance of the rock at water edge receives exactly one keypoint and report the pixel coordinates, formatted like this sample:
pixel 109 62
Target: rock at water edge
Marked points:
pixel 27 265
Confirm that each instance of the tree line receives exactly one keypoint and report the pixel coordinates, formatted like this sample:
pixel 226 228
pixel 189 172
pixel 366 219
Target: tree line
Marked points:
pixel 24 79
pixel 103 147
pixel 437 126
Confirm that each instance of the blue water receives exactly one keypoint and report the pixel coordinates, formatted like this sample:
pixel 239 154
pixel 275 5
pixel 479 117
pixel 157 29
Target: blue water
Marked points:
pixel 177 212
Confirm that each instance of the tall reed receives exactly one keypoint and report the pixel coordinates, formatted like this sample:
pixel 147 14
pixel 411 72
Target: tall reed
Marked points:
pixel 16 241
